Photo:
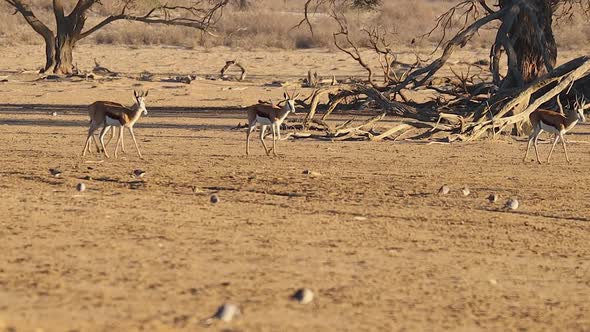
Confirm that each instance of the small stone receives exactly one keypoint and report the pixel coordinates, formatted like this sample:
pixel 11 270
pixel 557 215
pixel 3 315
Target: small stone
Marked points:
pixel 139 173
pixel 444 190
pixel 227 312
pixel 493 198
pixel 512 204
pixel 360 218
pixel 80 187
pixel 55 172
pixel 53 113
pixel 493 282
pixel 466 191
pixel 303 295
pixel 311 173
pixel 214 199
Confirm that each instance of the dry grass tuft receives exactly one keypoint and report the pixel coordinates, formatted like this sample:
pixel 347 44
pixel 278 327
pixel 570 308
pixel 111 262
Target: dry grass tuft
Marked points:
pixel 269 24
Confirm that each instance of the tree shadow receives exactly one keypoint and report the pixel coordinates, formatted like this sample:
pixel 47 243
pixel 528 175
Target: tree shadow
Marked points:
pixel 205 112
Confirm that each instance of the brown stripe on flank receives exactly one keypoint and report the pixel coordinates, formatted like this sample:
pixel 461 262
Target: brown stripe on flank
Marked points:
pixel 264 115
pixel 118 117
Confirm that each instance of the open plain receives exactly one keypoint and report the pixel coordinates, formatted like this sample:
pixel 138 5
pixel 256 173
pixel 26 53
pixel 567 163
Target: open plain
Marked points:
pixel 366 231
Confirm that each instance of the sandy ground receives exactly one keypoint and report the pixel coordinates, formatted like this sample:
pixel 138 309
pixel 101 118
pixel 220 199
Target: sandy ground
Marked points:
pixel 369 235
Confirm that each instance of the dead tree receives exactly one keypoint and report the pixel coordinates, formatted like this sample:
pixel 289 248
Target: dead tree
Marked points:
pixel 524 40
pixel 71 27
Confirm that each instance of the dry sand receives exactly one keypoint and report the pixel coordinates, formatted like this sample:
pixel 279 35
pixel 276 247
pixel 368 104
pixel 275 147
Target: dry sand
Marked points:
pixel 370 236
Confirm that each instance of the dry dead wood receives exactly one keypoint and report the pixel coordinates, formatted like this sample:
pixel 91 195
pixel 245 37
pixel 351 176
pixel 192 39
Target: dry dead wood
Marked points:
pixel 103 71
pixel 499 123
pixel 346 128
pixel 186 79
pixel 236 63
pixel 313 80
pixel 316 97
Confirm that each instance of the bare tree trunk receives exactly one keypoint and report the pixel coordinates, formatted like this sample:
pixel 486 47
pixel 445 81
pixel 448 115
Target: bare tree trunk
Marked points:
pixel 64 45
pixel 63 57
pixel 49 53
pixel 69 29
pixel 243 4
pixel 532 37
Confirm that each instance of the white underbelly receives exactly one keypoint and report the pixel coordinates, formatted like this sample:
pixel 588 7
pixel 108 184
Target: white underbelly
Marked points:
pixel 112 122
pixel 548 128
pixel 263 121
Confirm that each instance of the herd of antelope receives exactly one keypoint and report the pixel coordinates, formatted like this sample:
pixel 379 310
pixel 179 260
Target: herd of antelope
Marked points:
pixel 110 115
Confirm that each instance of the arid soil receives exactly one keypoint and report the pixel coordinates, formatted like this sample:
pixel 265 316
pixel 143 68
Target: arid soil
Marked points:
pixel 368 234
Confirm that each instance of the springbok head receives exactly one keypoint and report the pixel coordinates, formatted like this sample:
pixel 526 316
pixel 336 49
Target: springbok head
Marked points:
pixel 139 100
pixel 579 106
pixel 290 101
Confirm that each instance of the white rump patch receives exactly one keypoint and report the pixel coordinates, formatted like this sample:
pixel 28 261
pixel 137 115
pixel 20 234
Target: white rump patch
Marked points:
pixel 112 122
pixel 263 121
pixel 548 128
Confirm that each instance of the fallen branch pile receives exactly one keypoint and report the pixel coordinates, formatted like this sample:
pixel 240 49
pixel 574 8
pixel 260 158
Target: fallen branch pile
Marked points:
pixel 471 105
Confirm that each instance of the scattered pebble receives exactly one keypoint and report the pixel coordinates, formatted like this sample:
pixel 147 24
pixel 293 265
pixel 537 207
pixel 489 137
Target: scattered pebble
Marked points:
pixel 493 282
pixel 303 295
pixel 359 218
pixel 80 187
pixel 311 173
pixel 444 190
pixel 53 113
pixel 214 199
pixel 139 173
pixel 512 204
pixel 227 312
pixel 55 172
pixel 493 198
pixel 466 191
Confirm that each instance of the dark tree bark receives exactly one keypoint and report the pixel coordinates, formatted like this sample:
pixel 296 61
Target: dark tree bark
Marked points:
pixel 531 36
pixel 69 29
pixel 243 4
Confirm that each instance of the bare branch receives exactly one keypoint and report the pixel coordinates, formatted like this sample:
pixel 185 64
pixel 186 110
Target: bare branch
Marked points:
pixel 354 53
pixel 459 40
pixel 197 16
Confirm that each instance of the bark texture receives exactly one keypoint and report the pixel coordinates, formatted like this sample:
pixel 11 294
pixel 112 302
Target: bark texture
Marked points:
pixel 531 37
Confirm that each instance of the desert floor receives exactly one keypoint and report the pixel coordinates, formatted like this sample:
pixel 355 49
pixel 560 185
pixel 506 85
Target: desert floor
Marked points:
pixel 368 234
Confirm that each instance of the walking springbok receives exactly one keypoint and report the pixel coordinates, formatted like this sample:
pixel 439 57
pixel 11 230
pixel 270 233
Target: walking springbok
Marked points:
pixel 555 123
pixel 110 114
pixel 268 115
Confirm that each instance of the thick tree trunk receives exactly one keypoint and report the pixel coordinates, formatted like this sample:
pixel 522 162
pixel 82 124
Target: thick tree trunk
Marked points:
pixel 68 32
pixel 63 58
pixel 532 37
pixel 527 37
pixel 59 55
pixel 49 53
pixel 243 4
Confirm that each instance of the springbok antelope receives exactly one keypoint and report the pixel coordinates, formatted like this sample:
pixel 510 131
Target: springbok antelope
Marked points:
pixel 268 115
pixel 110 114
pixel 555 123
